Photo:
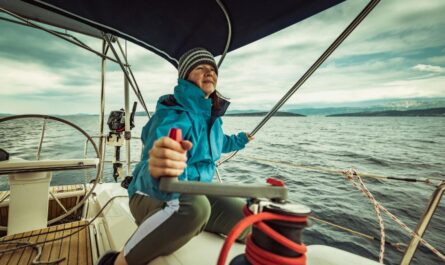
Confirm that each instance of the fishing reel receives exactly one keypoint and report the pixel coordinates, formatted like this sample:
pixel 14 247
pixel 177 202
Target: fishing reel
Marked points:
pixel 117 136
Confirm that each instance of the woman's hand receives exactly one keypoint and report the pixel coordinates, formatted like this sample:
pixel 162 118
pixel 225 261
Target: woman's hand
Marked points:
pixel 168 158
pixel 250 137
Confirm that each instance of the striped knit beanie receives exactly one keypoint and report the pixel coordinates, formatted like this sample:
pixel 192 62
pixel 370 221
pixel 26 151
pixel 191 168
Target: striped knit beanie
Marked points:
pixel 193 58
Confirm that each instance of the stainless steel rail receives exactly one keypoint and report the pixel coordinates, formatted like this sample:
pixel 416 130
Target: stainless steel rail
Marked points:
pixel 423 224
pixel 105 48
pixel 126 70
pixel 85 150
pixel 77 42
pixel 24 166
pixel 369 7
pixel 57 34
pixel 42 136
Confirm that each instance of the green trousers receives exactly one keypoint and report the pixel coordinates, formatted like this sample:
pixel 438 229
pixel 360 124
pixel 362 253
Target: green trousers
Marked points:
pixel 164 227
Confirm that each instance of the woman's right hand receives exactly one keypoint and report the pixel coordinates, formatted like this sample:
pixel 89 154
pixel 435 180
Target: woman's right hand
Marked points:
pixel 168 158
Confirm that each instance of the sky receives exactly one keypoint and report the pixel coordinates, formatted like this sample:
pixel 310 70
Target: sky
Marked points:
pixel 398 51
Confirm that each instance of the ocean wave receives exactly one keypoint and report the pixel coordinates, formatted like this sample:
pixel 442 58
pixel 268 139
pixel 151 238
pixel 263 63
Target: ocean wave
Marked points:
pixel 425 141
pixel 362 145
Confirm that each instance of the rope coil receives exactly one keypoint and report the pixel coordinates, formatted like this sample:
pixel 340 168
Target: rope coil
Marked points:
pixel 256 255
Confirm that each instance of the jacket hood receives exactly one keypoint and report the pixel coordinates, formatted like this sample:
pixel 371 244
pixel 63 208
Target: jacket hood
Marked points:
pixel 187 97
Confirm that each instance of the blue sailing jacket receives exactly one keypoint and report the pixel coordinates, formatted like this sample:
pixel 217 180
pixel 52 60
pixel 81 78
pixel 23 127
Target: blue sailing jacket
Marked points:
pixel 190 111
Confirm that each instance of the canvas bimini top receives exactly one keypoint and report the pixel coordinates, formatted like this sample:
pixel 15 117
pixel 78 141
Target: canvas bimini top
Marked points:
pixel 170 27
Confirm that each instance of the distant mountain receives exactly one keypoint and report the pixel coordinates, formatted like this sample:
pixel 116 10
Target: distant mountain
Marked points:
pixel 230 111
pixel 391 113
pixel 142 113
pixel 369 106
pixel 351 107
pixel 263 113
pixel 326 109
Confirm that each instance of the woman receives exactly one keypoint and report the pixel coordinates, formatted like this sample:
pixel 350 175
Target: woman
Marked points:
pixel 166 221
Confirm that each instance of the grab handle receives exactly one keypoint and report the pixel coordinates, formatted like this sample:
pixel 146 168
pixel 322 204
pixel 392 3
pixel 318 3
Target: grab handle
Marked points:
pixel 169 184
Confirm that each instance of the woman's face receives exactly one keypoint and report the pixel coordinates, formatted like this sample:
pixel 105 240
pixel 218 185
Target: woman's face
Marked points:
pixel 204 76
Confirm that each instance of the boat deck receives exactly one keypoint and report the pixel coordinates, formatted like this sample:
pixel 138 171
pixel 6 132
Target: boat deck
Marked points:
pixel 75 249
pixel 54 208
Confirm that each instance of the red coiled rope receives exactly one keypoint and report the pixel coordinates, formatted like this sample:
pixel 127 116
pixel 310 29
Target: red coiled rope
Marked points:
pixel 257 255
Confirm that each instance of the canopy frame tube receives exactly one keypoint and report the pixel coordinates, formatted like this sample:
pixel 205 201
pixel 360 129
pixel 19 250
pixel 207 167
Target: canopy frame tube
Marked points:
pixel 126 70
pixel 360 17
pixel 77 42
pixel 64 36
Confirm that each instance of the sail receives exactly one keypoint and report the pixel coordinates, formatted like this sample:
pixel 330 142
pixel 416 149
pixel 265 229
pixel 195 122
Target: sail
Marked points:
pixel 171 27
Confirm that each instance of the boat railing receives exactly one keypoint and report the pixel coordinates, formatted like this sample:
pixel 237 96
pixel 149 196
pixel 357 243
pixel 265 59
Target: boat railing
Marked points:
pixel 423 224
pixel 24 166
pixel 85 151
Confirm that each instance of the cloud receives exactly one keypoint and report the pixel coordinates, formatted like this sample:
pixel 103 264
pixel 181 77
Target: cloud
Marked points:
pixel 397 51
pixel 394 89
pixel 22 78
pixel 437 59
pixel 429 68
pixel 27 44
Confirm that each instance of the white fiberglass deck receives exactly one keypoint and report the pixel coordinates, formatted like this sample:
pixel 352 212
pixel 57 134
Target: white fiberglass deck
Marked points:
pixel 118 225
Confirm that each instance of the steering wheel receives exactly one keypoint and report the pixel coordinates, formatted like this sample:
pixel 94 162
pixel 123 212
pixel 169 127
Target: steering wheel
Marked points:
pixel 85 134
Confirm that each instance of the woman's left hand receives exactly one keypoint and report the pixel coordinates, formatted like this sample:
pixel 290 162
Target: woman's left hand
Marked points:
pixel 249 136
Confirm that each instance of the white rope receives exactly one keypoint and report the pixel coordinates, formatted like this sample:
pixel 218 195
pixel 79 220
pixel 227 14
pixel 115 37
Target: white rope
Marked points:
pixel 430 181
pixel 353 176
pixel 398 221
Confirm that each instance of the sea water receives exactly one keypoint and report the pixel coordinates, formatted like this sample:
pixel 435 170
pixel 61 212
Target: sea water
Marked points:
pixel 287 148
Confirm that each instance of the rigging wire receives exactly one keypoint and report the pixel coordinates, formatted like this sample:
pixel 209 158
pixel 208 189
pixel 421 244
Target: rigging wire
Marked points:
pixel 63 36
pixel 72 39
pixel 311 70
pixel 79 43
pixel 138 93
pixel 399 246
pixel 136 90
pixel 108 38
pixel 428 181
pixel 351 175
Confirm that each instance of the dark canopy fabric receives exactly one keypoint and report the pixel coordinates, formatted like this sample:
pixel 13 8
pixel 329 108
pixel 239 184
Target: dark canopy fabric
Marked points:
pixel 171 27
